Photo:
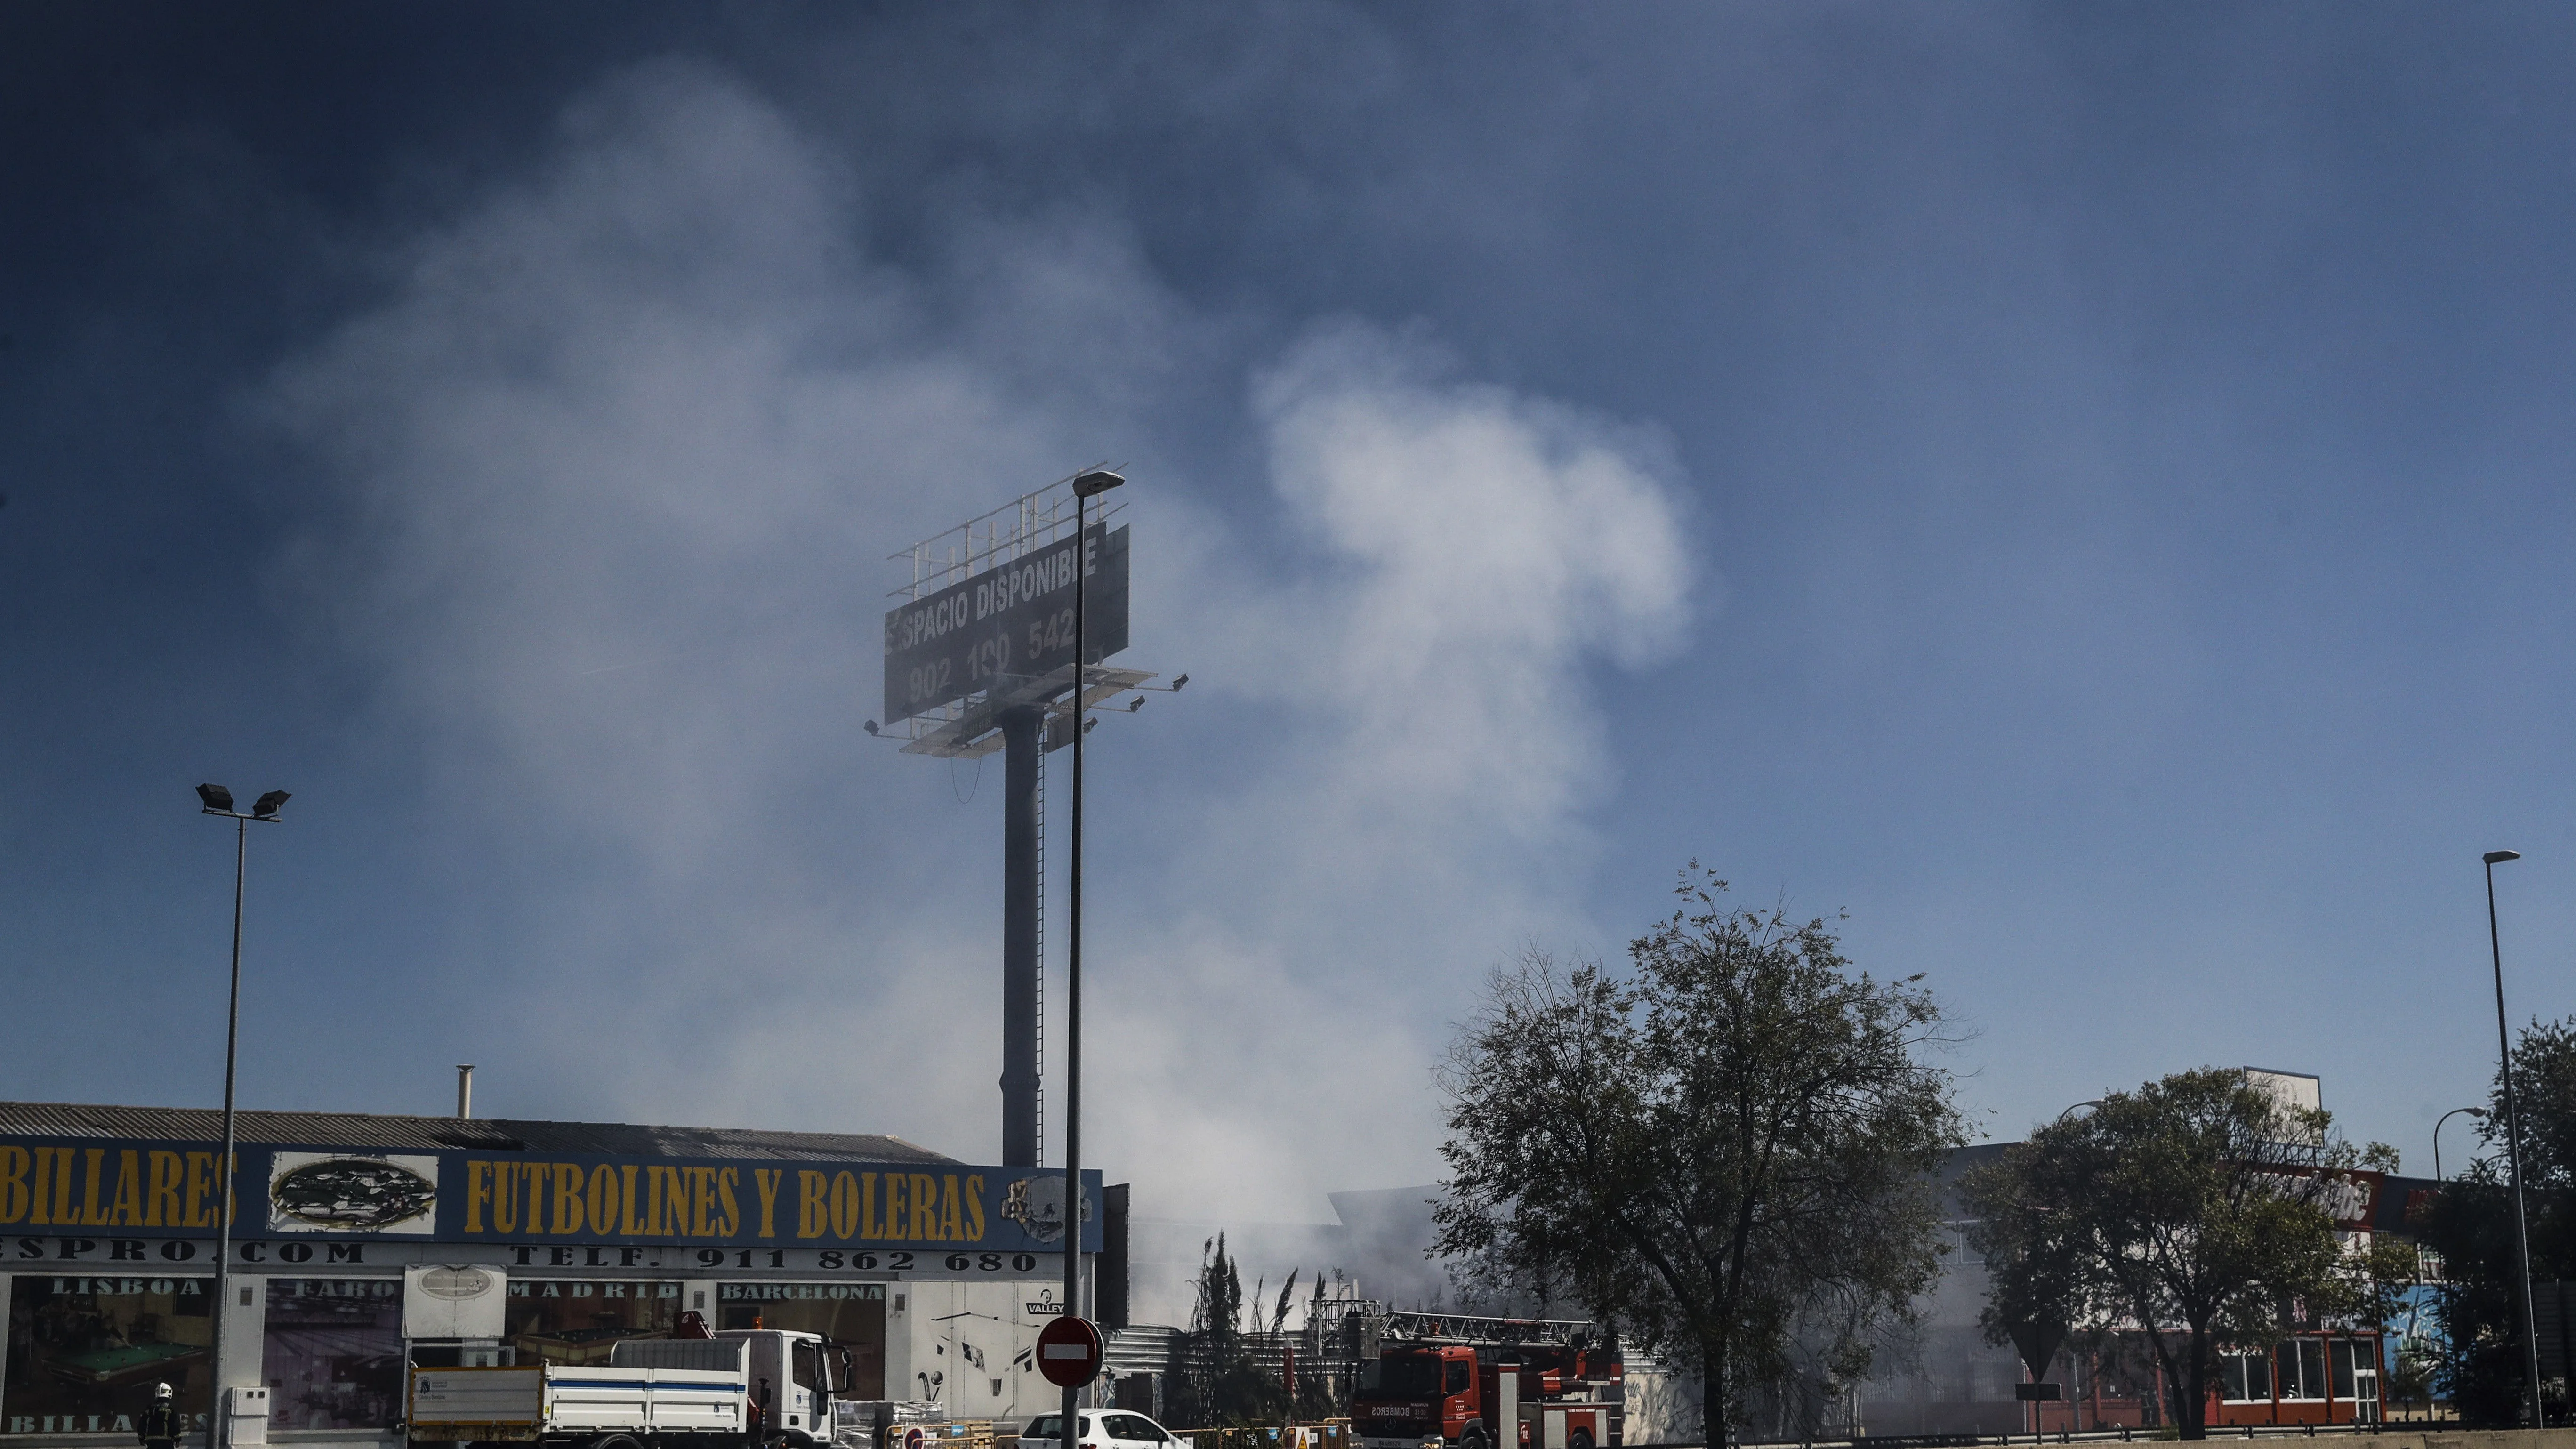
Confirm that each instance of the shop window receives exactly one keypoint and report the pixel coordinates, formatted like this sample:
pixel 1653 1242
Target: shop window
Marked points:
pixel 579 1321
pixel 2303 1369
pixel 332 1353
pixel 852 1315
pixel 2344 1355
pixel 2245 1377
pixel 84 1353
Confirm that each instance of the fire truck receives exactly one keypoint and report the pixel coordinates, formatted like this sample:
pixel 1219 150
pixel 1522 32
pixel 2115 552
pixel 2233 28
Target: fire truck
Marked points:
pixel 1490 1383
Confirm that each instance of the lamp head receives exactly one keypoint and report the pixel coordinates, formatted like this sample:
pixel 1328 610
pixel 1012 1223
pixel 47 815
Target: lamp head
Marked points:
pixel 216 797
pixel 2477 1112
pixel 1098 480
pixel 265 807
pixel 2499 857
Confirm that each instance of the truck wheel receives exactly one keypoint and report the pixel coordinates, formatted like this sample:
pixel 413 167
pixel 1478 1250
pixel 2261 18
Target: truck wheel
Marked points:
pixel 616 1441
pixel 1579 1439
pixel 1472 1439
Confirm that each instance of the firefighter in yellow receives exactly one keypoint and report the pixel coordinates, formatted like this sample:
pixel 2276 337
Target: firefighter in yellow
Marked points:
pixel 160 1425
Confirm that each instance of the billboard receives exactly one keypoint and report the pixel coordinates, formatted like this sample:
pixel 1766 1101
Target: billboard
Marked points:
pixel 1006 626
pixel 171 1190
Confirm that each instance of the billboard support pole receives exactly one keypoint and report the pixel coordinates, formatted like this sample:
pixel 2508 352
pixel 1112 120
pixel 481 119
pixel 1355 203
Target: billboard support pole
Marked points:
pixel 1023 732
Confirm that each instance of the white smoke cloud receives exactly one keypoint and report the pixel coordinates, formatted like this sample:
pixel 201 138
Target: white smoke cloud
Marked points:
pixel 1418 809
pixel 604 484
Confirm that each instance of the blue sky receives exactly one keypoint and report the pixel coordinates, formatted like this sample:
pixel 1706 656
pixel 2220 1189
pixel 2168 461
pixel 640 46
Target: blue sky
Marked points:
pixel 2078 489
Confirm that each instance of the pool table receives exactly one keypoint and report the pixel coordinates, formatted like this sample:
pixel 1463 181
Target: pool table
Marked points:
pixel 101 1366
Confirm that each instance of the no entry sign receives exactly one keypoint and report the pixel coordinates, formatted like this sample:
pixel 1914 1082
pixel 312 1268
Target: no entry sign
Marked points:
pixel 1069 1351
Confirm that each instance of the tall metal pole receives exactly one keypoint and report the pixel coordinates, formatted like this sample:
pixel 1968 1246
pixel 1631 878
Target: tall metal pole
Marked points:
pixel 218 1425
pixel 2513 1152
pixel 1073 962
pixel 1023 732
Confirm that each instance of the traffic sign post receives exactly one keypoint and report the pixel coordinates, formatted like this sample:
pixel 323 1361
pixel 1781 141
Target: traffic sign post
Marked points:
pixel 1069 1352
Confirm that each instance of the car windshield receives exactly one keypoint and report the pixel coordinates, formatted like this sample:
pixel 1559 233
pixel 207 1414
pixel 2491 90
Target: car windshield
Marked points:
pixel 1408 1376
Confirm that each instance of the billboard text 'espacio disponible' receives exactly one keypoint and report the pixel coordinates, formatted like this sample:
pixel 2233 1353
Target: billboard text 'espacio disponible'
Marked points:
pixel 1012 623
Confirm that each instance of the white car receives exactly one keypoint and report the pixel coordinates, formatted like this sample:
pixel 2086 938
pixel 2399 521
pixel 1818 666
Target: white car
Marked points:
pixel 1103 1429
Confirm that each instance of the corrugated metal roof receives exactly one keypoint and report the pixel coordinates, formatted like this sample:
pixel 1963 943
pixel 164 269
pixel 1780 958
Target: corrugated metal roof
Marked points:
pixel 491 1134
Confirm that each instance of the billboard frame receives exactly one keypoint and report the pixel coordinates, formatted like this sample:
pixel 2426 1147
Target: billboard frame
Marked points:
pixel 969 727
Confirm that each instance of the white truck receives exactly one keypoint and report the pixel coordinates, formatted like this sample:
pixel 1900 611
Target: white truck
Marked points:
pixel 761 1388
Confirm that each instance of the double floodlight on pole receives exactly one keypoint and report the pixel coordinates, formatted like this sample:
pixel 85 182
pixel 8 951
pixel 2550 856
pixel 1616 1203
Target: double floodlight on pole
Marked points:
pixel 2513 1149
pixel 1086 486
pixel 218 801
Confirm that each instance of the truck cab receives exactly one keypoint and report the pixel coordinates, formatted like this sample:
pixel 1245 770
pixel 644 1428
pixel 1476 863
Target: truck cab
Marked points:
pixel 792 1379
pixel 1491 1396
pixel 1413 1394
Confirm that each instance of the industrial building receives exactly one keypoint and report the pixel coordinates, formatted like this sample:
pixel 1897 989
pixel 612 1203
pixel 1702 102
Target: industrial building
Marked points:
pixel 1942 1375
pixel 936 1274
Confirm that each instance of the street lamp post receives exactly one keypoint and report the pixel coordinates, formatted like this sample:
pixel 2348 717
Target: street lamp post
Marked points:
pixel 2513 1148
pixel 2072 1399
pixel 2480 1113
pixel 1085 487
pixel 2477 1112
pixel 219 801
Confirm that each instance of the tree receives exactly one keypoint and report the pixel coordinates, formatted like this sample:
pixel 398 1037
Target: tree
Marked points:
pixel 2470 1224
pixel 1220 1382
pixel 2194 1209
pixel 2486 1373
pixel 1726 1156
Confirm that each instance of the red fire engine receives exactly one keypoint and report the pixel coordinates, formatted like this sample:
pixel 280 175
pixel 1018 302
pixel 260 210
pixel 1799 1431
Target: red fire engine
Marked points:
pixel 1490 1383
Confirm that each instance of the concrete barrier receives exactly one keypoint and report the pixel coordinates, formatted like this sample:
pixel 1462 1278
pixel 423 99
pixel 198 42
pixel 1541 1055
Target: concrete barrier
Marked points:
pixel 2459 1439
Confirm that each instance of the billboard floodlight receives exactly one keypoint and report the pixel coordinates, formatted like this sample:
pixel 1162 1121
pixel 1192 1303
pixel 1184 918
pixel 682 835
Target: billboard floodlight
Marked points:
pixel 216 797
pixel 265 808
pixel 1095 482
pixel 870 726
pixel 1135 704
pixel 1179 682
